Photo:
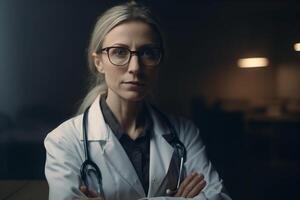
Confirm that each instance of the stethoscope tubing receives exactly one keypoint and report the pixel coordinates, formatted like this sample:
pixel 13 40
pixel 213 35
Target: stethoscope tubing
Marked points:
pixel 88 164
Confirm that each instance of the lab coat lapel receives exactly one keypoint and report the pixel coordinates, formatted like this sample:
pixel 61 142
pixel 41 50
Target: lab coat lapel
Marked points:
pixel 110 147
pixel 160 155
pixel 118 159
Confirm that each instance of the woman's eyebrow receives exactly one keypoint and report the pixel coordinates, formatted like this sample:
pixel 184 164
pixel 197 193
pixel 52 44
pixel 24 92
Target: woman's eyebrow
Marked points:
pixel 120 44
pixel 147 45
pixel 150 45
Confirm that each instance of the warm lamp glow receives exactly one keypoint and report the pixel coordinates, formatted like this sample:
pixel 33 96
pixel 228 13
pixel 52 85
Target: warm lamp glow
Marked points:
pixel 253 62
pixel 297 47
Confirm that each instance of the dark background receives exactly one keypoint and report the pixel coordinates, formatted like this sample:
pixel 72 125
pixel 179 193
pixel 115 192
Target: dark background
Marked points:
pixel 249 118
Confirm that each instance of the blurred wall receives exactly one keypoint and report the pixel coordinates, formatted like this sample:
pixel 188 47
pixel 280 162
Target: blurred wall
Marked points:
pixel 43 52
pixel 288 81
pixel 10 83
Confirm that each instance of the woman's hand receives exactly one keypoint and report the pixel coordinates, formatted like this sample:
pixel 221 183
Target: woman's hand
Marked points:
pixel 92 195
pixel 191 186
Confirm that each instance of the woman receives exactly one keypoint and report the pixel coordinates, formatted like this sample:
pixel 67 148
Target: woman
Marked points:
pixel 141 153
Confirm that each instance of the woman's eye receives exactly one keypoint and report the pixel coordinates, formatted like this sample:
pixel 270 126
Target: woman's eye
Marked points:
pixel 149 53
pixel 119 52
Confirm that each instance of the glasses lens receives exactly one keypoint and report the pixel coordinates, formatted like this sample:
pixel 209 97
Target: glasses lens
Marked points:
pixel 150 56
pixel 118 55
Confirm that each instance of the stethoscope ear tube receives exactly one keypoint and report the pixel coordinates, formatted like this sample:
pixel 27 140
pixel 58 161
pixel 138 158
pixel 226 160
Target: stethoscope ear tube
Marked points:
pixel 180 172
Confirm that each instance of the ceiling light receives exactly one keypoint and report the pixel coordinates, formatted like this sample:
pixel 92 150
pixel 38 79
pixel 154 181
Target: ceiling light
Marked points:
pixel 253 62
pixel 297 47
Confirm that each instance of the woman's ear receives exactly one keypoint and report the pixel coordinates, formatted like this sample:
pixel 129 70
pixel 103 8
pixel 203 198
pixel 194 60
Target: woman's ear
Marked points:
pixel 98 62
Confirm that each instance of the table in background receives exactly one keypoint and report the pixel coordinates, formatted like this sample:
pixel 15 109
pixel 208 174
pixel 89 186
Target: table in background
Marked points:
pixel 25 190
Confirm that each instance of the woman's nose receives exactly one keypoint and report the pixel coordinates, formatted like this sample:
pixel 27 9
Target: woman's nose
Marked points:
pixel 134 64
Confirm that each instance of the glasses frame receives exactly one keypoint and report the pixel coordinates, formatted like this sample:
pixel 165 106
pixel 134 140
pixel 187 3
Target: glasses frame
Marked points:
pixel 106 49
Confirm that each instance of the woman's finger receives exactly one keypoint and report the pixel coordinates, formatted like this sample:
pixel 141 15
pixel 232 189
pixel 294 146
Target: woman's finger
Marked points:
pixel 88 193
pixel 83 189
pixel 197 189
pixel 184 183
pixel 189 183
pixel 192 184
pixel 92 193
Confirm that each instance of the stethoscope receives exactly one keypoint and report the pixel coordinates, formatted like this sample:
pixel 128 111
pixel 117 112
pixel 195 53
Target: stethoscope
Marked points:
pixel 88 166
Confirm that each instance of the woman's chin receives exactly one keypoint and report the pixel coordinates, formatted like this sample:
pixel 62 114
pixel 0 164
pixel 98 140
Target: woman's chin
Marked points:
pixel 134 96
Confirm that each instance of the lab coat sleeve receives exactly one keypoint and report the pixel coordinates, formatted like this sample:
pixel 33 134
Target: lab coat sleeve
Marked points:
pixel 197 161
pixel 62 166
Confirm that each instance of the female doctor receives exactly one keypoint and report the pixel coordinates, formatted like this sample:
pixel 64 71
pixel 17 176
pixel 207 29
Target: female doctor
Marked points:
pixel 120 147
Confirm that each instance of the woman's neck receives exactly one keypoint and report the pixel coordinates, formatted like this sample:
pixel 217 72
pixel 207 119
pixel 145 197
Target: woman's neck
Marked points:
pixel 128 114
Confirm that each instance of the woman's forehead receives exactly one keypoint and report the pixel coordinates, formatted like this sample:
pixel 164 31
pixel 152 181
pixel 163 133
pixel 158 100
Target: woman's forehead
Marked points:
pixel 131 33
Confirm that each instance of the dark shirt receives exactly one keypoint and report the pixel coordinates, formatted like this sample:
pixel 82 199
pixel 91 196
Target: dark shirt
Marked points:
pixel 138 150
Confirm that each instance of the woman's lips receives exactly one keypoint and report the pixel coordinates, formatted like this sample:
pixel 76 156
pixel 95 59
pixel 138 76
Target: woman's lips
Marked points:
pixel 134 85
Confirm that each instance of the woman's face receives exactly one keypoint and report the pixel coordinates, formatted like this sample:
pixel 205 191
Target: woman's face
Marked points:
pixel 134 80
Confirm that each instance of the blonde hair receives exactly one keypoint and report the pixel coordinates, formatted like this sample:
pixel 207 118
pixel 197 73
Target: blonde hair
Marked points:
pixel 106 22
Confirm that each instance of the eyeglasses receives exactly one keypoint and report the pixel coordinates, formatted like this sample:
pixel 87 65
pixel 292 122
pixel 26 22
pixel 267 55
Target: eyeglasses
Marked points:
pixel 120 56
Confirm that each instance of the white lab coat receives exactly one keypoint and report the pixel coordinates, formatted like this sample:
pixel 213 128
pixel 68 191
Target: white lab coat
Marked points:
pixel 65 154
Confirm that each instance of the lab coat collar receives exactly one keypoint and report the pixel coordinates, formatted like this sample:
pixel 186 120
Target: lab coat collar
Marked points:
pixel 96 126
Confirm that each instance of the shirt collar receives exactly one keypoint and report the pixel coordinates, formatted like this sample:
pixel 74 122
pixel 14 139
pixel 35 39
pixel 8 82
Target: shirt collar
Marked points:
pixel 113 123
pixel 97 128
